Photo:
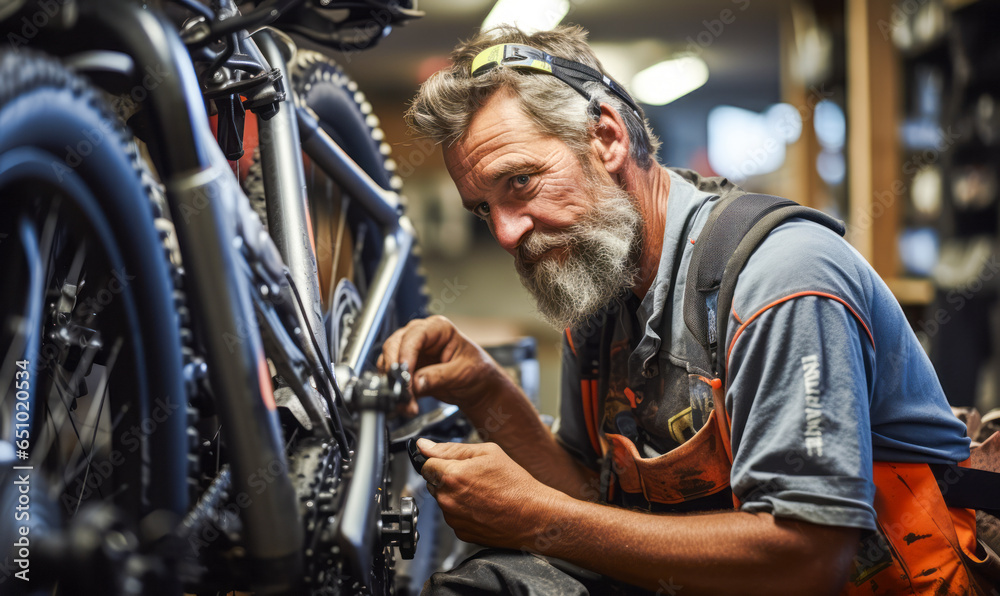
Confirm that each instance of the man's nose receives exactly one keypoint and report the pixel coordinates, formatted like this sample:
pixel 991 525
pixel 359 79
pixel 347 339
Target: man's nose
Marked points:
pixel 511 227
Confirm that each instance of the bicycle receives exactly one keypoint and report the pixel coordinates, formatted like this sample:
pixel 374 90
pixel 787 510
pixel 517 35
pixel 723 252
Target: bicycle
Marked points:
pixel 237 427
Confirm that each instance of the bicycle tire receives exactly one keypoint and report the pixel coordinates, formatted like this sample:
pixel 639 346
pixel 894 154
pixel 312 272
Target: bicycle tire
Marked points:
pixel 68 165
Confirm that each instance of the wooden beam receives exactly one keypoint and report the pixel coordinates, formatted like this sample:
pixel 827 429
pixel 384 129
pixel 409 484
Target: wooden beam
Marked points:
pixel 876 189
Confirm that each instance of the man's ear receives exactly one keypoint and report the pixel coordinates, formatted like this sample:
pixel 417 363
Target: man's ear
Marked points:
pixel 609 139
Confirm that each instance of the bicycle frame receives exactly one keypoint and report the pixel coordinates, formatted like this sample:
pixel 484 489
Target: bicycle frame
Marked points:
pixel 384 206
pixel 284 185
pixel 281 134
pixel 284 179
pixel 280 139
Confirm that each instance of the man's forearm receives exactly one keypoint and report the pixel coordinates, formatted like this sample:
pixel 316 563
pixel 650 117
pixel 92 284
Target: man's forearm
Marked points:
pixel 506 417
pixel 715 553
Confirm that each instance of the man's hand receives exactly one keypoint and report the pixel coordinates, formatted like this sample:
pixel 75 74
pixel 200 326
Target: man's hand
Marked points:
pixel 444 362
pixel 452 368
pixel 485 496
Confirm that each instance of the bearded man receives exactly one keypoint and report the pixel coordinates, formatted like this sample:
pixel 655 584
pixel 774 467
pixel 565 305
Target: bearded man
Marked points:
pixel 825 382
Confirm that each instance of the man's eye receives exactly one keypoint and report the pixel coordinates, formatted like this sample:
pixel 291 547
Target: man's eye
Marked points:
pixel 482 210
pixel 520 181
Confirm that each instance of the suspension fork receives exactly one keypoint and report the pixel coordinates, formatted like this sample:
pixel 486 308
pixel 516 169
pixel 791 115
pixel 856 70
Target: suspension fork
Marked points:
pixel 203 195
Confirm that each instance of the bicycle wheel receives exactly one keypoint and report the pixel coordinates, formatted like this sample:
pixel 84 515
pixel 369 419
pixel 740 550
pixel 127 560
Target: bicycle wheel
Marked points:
pixel 92 381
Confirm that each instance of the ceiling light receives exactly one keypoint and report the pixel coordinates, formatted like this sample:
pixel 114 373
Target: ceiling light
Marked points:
pixel 741 144
pixel 527 15
pixel 623 59
pixel 666 81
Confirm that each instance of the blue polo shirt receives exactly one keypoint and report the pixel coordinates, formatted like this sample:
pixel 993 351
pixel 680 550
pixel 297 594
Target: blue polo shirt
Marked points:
pixel 825 375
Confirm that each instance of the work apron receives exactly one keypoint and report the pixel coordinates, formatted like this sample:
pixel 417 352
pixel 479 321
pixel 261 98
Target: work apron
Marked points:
pixel 921 541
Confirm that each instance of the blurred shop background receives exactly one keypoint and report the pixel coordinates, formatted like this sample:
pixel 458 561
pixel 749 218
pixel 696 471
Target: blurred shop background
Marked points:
pixel 885 114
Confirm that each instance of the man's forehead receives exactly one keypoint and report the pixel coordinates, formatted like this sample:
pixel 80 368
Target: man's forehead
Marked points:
pixel 497 123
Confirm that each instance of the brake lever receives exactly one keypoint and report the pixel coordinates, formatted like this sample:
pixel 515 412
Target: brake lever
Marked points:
pixel 245 86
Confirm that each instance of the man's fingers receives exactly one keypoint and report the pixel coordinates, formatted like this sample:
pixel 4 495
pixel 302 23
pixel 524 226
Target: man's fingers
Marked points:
pixel 420 338
pixel 390 350
pixel 451 451
pixel 430 336
pixel 435 377
pixel 438 463
pixel 432 471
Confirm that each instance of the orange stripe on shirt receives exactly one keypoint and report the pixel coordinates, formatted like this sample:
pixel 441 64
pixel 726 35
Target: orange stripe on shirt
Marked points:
pixel 786 299
pixel 589 402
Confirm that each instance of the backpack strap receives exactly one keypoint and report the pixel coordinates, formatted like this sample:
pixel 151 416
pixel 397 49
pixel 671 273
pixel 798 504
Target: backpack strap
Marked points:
pixel 732 233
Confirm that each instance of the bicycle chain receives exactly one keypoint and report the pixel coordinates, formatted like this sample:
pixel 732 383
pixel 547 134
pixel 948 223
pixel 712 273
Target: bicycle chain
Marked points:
pixel 320 501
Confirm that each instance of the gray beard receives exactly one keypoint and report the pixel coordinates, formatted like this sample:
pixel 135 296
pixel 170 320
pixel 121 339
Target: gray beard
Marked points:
pixel 600 258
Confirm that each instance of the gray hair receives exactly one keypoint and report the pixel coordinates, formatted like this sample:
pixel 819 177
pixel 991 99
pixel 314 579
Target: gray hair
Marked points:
pixel 448 100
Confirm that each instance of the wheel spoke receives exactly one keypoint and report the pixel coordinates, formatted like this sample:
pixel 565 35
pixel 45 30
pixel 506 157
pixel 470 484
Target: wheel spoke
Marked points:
pixel 359 245
pixel 102 390
pixel 82 463
pixel 335 264
pixel 333 336
pixel 85 359
pixel 218 449
pixel 72 422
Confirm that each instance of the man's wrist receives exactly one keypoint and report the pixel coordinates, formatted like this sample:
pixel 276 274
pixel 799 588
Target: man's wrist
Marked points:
pixel 546 521
pixel 498 391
